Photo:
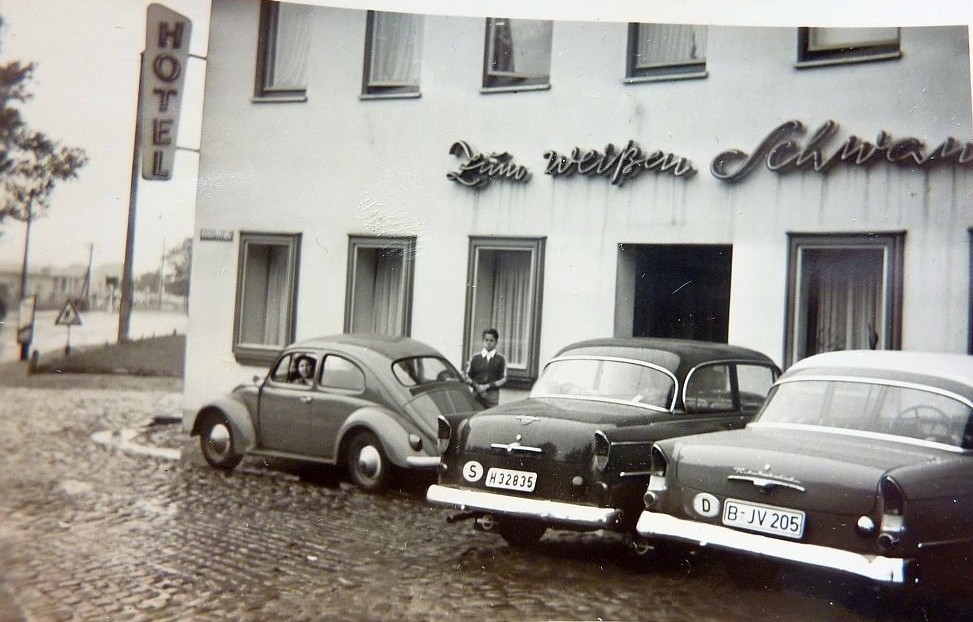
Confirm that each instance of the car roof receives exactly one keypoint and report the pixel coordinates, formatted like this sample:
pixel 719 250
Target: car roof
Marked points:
pixel 673 354
pixel 944 370
pixel 390 346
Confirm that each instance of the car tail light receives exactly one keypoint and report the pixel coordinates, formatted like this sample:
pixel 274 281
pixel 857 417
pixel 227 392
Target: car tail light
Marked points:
pixel 892 525
pixel 602 450
pixel 443 434
pixel 657 478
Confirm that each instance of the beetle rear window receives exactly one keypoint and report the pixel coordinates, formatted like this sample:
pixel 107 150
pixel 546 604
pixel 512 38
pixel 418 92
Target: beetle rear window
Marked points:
pixel 420 370
pixel 613 380
pixel 906 411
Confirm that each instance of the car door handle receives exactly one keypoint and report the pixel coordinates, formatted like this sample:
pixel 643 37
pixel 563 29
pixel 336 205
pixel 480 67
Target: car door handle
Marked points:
pixel 305 399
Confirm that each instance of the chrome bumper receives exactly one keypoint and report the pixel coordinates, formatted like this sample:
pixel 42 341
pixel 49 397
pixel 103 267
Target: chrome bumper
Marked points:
pixel 875 567
pixel 423 462
pixel 542 509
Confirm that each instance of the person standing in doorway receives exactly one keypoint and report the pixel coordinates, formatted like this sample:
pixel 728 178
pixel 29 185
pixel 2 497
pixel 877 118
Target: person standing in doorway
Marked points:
pixel 486 371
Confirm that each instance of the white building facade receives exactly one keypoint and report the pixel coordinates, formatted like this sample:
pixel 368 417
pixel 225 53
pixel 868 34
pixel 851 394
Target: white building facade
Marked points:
pixel 794 190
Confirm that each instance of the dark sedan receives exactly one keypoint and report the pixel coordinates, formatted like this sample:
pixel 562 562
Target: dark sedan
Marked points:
pixel 859 462
pixel 575 454
pixel 364 402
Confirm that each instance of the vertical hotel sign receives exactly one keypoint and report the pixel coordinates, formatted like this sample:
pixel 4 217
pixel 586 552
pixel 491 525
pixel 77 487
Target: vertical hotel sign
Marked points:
pixel 163 75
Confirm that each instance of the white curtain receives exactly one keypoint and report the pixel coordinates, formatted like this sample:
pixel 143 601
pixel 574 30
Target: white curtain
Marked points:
pixel 265 295
pixel 277 299
pixel 396 45
pixel 291 45
pixel 389 305
pixel 670 44
pixel 849 304
pixel 511 309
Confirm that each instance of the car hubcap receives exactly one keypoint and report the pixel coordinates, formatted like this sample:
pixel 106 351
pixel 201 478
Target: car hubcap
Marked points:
pixel 219 440
pixel 369 461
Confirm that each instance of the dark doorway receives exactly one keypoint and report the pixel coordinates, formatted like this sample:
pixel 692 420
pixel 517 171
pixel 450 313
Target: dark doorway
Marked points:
pixel 682 291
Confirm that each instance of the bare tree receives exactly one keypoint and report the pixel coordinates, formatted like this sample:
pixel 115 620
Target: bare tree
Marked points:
pixel 180 260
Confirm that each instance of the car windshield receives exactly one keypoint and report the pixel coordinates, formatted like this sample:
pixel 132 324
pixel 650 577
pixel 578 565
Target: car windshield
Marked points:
pixel 606 379
pixel 907 411
pixel 420 370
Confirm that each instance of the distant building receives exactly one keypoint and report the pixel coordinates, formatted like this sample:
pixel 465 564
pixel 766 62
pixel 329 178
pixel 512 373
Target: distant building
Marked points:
pixel 53 286
pixel 795 190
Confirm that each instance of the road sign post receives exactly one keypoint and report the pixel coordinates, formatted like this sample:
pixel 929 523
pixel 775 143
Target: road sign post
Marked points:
pixel 69 317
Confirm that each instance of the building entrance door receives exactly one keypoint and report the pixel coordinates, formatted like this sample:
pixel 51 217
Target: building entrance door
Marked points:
pixel 678 290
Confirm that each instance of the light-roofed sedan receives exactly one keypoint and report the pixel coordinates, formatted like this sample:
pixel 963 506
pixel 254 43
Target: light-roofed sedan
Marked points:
pixel 859 462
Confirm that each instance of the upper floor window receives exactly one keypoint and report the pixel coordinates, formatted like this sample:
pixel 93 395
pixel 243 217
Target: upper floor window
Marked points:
pixel 266 294
pixel 379 295
pixel 518 54
pixel 666 52
pixel 393 52
pixel 504 289
pixel 282 51
pixel 830 46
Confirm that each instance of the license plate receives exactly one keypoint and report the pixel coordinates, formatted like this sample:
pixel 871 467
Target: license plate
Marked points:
pixel 763 518
pixel 523 481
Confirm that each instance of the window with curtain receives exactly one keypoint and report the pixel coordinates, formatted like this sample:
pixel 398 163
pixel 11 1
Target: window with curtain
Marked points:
pixel 845 293
pixel 393 54
pixel 830 46
pixel 517 54
pixel 379 296
pixel 504 292
pixel 666 51
pixel 283 50
pixel 266 293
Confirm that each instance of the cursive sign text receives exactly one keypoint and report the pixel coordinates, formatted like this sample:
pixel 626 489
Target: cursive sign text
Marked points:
pixel 480 169
pixel 617 165
pixel 782 151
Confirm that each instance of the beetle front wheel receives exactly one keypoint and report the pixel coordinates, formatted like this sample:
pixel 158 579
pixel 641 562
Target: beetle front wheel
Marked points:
pixel 217 443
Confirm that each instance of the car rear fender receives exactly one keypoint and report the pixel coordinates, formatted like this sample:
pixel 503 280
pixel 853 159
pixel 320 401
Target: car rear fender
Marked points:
pixel 389 430
pixel 241 422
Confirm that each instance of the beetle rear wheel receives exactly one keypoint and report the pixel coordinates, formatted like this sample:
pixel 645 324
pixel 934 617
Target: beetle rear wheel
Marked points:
pixel 521 532
pixel 368 467
pixel 217 443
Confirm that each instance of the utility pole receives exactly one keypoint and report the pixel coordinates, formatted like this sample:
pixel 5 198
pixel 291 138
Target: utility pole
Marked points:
pixel 25 346
pixel 162 272
pixel 86 290
pixel 126 296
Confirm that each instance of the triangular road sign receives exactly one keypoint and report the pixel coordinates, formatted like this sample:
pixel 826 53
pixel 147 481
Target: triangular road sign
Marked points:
pixel 69 315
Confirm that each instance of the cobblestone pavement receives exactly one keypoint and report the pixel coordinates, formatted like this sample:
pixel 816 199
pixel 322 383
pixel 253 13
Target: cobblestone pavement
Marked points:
pixel 90 530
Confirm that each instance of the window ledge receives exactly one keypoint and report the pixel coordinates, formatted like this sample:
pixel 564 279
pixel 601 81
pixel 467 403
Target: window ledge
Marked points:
pixel 368 96
pixel 689 75
pixel 845 60
pixel 278 99
pixel 487 90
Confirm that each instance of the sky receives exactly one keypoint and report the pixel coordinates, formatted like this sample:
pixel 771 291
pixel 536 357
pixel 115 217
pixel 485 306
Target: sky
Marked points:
pixel 86 54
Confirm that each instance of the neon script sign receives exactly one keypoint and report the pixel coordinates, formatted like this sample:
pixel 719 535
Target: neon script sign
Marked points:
pixel 479 169
pixel 782 152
